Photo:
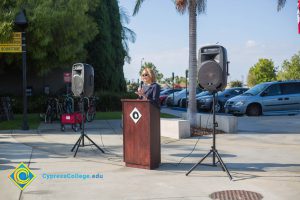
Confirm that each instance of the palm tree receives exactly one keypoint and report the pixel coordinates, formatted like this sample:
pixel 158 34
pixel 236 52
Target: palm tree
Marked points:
pixel 193 7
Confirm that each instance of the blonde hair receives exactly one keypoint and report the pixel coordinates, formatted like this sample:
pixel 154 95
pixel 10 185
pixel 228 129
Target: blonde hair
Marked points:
pixel 151 74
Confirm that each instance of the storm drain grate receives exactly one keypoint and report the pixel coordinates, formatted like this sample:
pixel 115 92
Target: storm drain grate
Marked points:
pixel 236 195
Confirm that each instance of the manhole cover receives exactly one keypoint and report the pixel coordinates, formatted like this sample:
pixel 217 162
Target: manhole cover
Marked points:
pixel 236 195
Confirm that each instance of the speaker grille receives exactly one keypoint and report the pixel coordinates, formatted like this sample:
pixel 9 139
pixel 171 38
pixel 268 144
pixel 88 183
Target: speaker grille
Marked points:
pixel 210 75
pixel 77 85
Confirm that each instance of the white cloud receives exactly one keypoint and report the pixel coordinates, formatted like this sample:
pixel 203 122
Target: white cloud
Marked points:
pixel 251 44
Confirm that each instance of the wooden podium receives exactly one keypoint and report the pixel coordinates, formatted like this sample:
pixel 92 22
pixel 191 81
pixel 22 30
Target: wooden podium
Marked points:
pixel 141 134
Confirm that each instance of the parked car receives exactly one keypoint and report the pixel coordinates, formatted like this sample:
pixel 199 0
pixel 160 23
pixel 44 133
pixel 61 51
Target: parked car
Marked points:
pixel 269 96
pixel 165 93
pixel 184 102
pixel 205 103
pixel 169 91
pixel 177 96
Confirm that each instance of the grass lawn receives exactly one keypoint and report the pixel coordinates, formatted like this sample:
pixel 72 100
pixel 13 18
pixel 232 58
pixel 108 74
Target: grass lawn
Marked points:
pixel 34 120
pixel 16 123
pixel 108 115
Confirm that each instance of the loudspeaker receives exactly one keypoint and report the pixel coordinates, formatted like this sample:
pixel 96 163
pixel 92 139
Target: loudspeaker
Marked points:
pixel 82 79
pixel 212 68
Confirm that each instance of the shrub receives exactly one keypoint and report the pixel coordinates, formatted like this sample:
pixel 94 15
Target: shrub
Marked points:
pixel 111 101
pixel 36 104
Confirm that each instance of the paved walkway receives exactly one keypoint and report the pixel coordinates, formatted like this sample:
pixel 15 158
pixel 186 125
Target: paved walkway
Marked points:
pixel 265 163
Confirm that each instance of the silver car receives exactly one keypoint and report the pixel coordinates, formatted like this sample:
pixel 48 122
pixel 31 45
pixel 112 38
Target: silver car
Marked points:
pixel 269 96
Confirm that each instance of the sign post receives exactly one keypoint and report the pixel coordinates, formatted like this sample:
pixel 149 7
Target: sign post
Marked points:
pixel 21 23
pixel 18 45
pixel 67 80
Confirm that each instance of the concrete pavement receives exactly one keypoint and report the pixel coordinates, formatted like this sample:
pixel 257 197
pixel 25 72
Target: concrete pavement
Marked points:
pixel 265 163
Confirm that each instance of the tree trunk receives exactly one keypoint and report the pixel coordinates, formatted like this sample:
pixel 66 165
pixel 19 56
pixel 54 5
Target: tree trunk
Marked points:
pixel 191 114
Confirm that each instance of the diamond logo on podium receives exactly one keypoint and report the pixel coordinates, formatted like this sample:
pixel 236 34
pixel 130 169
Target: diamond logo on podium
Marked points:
pixel 135 115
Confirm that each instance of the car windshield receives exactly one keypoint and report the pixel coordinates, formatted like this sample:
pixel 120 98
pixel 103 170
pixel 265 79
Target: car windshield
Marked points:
pixel 167 91
pixel 182 91
pixel 203 93
pixel 222 92
pixel 256 89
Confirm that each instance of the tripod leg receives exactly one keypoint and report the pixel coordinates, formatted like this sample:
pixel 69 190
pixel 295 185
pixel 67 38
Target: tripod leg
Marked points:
pixel 82 140
pixel 78 145
pixel 223 165
pixel 214 158
pixel 198 163
pixel 93 143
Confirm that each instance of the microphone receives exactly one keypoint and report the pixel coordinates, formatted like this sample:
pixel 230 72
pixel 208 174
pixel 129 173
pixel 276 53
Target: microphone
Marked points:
pixel 141 86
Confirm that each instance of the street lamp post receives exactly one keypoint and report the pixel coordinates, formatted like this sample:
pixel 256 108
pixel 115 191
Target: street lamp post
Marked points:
pixel 22 23
pixel 142 62
pixel 173 89
pixel 138 81
pixel 186 82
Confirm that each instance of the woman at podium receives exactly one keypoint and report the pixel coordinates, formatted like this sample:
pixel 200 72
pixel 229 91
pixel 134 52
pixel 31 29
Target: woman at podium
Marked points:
pixel 149 89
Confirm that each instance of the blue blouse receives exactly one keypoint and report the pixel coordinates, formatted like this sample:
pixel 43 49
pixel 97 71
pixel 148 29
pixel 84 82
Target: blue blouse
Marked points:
pixel 152 93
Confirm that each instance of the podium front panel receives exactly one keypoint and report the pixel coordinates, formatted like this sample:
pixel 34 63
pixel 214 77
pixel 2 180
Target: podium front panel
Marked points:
pixel 141 134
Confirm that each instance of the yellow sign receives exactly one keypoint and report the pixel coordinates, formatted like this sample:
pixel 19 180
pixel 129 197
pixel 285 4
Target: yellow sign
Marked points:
pixel 22 176
pixel 17 35
pixel 10 49
pixel 14 42
pixel 13 46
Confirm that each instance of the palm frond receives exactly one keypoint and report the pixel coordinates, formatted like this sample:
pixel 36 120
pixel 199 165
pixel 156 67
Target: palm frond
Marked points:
pixel 181 5
pixel 201 6
pixel 137 6
pixel 280 4
pixel 124 15
pixel 128 34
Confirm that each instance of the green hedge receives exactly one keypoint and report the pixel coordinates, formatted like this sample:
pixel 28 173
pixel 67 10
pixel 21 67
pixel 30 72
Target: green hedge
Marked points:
pixel 36 104
pixel 111 101
pixel 107 101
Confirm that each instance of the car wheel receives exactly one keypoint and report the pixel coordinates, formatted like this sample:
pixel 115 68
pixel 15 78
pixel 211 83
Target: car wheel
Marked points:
pixel 253 110
pixel 218 107
pixel 183 103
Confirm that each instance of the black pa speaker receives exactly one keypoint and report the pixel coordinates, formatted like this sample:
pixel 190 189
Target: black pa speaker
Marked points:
pixel 82 79
pixel 212 68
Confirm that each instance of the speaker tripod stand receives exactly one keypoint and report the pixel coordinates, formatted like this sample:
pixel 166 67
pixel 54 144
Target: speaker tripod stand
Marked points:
pixel 80 141
pixel 213 149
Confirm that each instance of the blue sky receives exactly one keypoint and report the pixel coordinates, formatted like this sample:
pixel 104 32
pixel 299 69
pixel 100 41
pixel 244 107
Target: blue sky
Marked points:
pixel 249 30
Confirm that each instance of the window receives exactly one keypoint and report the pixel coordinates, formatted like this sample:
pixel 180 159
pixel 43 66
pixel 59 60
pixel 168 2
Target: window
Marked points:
pixel 273 90
pixel 290 88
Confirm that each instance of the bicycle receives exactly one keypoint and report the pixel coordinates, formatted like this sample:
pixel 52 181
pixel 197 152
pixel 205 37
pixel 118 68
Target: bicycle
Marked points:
pixel 91 109
pixel 53 110
pixel 68 104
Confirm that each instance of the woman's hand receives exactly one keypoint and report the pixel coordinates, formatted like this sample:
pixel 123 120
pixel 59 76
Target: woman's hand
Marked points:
pixel 141 93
